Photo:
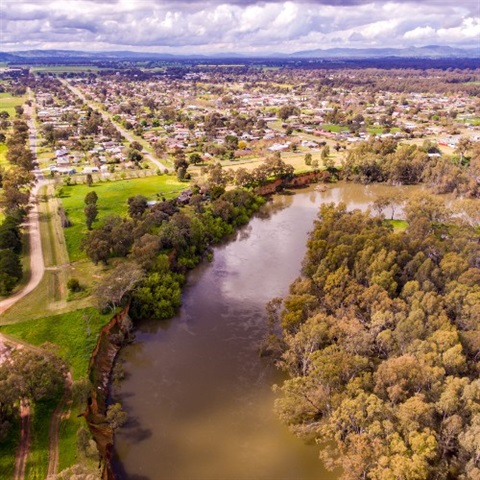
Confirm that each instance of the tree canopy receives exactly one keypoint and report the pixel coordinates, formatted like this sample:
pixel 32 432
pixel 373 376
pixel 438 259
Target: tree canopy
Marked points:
pixel 381 345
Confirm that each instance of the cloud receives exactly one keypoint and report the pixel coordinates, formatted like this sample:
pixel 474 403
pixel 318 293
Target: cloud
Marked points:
pixel 239 25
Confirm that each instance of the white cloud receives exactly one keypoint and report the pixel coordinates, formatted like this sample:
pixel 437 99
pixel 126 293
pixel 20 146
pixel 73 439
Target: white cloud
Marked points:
pixel 213 25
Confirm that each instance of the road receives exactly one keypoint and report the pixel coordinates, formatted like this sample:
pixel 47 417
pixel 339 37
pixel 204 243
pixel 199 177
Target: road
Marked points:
pixel 32 225
pixel 128 135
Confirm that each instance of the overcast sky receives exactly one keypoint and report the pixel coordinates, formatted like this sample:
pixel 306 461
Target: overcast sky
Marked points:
pixel 213 26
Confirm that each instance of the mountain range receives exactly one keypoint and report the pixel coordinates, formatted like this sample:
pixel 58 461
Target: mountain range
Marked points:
pixel 429 51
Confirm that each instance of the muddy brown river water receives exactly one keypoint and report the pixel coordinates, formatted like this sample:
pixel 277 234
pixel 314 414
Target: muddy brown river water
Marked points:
pixel 198 396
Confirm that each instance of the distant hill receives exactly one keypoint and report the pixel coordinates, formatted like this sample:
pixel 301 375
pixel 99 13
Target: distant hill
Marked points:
pixel 430 52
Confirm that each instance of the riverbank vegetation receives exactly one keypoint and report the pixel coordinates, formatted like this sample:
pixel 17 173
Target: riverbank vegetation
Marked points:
pixel 387 161
pixel 381 343
pixel 161 244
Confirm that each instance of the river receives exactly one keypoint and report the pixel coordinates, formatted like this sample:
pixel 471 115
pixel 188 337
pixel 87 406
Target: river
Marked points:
pixel 197 394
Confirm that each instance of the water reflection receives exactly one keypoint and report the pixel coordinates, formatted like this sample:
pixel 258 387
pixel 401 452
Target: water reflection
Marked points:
pixel 197 393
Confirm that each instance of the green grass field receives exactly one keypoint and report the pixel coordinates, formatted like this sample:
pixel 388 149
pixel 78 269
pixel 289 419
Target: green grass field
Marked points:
pixel 72 336
pixel 112 200
pixel 8 103
pixel 333 128
pixel 64 69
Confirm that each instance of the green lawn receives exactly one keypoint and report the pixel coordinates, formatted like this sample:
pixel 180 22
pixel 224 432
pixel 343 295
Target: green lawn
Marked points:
pixel 8 103
pixel 112 199
pixel 64 68
pixel 333 128
pixel 72 336
pixel 380 130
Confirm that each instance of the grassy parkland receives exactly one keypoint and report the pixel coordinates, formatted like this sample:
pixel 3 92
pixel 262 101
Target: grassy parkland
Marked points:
pixel 112 200
pixel 8 102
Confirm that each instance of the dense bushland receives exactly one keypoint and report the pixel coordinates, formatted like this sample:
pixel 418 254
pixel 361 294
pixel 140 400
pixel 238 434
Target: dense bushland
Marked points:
pixel 381 342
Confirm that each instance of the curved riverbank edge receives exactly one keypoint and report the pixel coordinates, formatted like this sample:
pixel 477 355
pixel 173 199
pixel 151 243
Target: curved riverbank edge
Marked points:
pixel 108 345
pixel 100 368
pixel 296 181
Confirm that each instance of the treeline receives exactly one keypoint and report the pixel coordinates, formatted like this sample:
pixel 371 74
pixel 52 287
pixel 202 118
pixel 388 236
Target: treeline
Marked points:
pixel 162 243
pixel 381 342
pixel 15 183
pixel 10 250
pixel 386 161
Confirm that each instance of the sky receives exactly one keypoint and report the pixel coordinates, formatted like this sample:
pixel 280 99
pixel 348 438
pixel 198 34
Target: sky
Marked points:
pixel 249 26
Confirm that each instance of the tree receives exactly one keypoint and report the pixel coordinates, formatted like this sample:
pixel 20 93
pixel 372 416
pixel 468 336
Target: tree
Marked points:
pixel 391 201
pixel 133 155
pixel 286 111
pixel 463 145
pixel 195 158
pixel 325 152
pixel 41 374
pixel 74 285
pixel 231 142
pixel 91 212
pixel 10 270
pixel 158 296
pixel 91 198
pixel 136 146
pixel 145 250
pixel 308 159
pixel 378 344
pixel 10 236
pixel 113 288
pixel 89 179
pixel 180 161
pixel 16 188
pixel 97 246
pixel 137 206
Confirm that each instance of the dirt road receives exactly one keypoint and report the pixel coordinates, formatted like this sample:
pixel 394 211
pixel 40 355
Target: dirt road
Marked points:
pixel 59 414
pixel 24 446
